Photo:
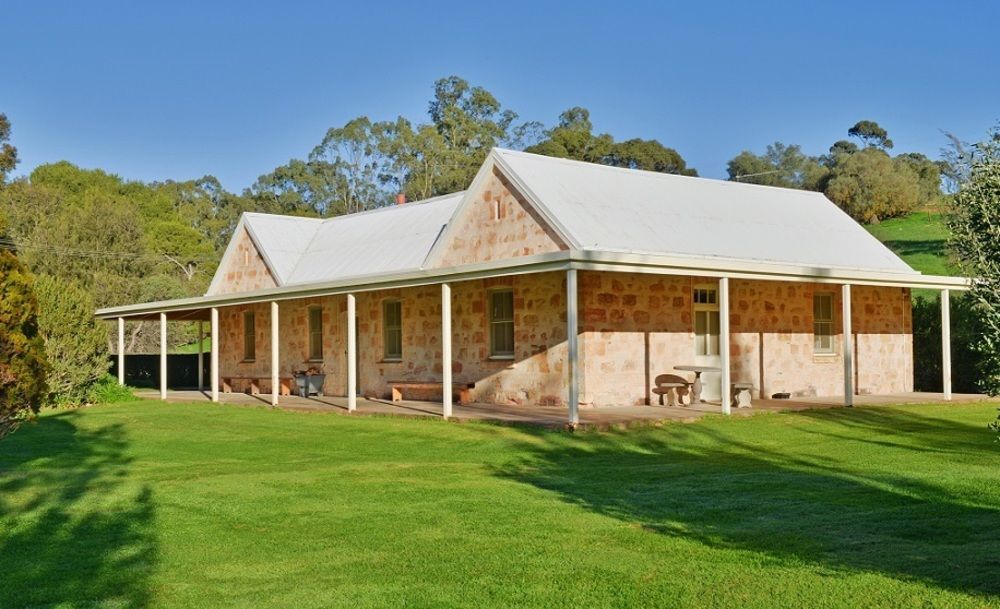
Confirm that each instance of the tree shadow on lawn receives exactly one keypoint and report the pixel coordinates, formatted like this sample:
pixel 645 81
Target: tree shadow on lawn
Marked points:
pixel 706 483
pixel 904 247
pixel 73 529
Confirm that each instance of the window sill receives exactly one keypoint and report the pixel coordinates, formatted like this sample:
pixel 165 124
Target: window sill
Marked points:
pixel 248 361
pixel 825 355
pixel 391 360
pixel 500 358
pixel 314 361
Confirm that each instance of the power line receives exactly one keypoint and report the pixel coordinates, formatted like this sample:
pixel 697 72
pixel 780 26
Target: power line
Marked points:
pixel 8 244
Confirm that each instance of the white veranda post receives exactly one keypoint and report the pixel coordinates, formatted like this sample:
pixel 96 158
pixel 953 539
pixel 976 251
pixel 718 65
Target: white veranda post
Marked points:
pixel 352 354
pixel 215 354
pixel 726 377
pixel 848 346
pixel 573 348
pixel 275 338
pixel 121 350
pixel 163 356
pixel 946 343
pixel 446 385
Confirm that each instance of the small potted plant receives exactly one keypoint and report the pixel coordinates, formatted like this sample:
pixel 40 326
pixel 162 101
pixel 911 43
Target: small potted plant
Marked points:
pixel 310 381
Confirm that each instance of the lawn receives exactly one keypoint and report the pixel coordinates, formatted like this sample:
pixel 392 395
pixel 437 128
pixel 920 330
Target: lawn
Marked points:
pixel 151 505
pixel 921 239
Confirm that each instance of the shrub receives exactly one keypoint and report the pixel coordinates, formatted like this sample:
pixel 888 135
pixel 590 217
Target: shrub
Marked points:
pixel 968 362
pixel 23 365
pixel 107 391
pixel 75 345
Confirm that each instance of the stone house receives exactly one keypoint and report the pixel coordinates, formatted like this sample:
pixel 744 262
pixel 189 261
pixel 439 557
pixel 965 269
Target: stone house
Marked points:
pixel 559 282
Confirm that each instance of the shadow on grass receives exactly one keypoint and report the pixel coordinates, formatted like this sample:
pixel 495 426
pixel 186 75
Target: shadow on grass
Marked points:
pixel 936 247
pixel 73 530
pixel 708 483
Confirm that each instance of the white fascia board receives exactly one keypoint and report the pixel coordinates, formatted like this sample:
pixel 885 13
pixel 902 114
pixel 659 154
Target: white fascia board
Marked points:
pixel 433 256
pixel 567 237
pixel 230 248
pixel 666 265
pixel 278 280
pixel 552 261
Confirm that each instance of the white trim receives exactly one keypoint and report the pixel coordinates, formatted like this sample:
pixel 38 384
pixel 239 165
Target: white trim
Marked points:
pixel 275 346
pixel 121 351
pixel 163 356
pixel 215 354
pixel 573 348
pixel 552 261
pixel 220 272
pixel 446 362
pixel 352 354
pixel 946 343
pixel 508 172
pixel 726 376
pixel 493 161
pixel 848 341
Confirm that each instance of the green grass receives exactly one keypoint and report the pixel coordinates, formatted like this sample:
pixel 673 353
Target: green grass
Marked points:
pixel 146 504
pixel 920 239
pixel 206 347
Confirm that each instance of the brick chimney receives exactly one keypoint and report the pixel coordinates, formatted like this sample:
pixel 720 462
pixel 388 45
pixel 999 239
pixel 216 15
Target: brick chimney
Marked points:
pixel 400 199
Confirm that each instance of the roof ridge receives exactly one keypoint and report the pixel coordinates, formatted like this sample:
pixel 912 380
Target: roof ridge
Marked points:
pixel 386 208
pixel 648 172
pixel 367 212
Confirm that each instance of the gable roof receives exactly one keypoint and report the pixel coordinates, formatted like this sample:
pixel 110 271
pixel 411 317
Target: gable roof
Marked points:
pixel 592 208
pixel 281 240
pixel 300 250
pixel 385 240
pixel 625 210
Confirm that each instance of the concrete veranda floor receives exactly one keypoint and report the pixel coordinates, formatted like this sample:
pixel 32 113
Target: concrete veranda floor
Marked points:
pixel 549 416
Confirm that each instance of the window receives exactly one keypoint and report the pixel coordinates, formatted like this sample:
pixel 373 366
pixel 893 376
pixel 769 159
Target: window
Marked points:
pixel 706 320
pixel 502 323
pixel 249 342
pixel 315 333
pixel 823 323
pixel 705 296
pixel 392 330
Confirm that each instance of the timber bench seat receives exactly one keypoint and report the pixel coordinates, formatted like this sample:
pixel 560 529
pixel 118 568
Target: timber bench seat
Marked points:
pixel 255 382
pixel 430 390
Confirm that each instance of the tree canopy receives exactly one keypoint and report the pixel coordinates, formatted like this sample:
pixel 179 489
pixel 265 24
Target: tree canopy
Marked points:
pixel 975 225
pixel 866 182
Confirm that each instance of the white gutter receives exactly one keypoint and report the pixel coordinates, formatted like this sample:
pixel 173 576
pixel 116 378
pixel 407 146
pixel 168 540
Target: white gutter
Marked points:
pixel 553 261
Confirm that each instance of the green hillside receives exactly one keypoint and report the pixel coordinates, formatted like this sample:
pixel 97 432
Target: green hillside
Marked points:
pixel 920 239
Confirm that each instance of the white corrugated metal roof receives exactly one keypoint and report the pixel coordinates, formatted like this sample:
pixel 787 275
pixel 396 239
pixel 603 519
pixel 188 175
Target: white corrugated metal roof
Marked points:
pixel 387 240
pixel 615 209
pixel 282 239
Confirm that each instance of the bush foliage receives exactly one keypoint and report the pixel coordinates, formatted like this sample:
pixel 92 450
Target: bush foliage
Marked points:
pixel 975 224
pixel 22 351
pixel 75 345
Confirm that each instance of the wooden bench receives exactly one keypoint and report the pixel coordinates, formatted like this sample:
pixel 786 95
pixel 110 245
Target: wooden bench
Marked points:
pixel 739 395
pixel 673 386
pixel 430 390
pixel 286 384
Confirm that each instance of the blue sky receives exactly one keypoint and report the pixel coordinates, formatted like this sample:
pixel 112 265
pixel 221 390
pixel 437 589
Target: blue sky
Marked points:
pixel 182 89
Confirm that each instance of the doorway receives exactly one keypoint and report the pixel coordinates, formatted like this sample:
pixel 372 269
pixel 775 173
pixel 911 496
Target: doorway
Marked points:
pixel 706 338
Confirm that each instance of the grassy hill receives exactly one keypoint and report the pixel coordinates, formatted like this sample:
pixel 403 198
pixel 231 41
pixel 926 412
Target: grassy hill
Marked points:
pixel 920 239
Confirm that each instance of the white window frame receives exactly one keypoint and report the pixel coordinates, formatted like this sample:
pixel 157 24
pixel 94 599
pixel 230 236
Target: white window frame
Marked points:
pixel 831 348
pixel 710 304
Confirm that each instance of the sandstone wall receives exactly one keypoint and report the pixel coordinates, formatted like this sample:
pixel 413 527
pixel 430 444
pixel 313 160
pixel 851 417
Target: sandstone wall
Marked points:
pixel 632 328
pixel 244 269
pixel 479 236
